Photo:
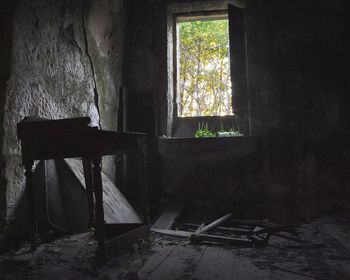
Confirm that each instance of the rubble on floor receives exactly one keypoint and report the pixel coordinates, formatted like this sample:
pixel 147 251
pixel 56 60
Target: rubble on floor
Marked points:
pixel 222 230
pixel 324 255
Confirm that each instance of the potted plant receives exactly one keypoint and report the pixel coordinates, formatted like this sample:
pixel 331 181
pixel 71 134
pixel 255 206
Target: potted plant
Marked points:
pixel 203 131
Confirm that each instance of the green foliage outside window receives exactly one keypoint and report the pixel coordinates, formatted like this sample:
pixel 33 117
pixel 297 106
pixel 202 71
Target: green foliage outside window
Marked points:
pixel 204 70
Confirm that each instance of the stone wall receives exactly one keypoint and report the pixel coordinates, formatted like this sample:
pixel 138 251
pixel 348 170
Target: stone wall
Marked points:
pixel 105 26
pixel 299 98
pixel 6 27
pixel 66 61
pixel 298 87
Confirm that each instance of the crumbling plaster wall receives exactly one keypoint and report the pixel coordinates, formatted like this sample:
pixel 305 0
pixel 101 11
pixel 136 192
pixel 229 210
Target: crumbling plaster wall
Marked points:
pixel 105 29
pixel 6 26
pixel 66 60
pixel 298 87
pixel 299 99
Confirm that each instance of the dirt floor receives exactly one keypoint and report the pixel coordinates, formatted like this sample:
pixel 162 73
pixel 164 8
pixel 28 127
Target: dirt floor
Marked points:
pixel 325 255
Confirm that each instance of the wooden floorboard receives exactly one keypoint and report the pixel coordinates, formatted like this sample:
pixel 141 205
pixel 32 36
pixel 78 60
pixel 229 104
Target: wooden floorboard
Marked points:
pixel 343 237
pixel 156 260
pixel 323 256
pixel 245 269
pixel 166 220
pixel 179 264
pixel 215 264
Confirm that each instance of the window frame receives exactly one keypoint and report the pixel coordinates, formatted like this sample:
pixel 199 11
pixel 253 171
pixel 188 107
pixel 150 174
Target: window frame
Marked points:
pixel 173 12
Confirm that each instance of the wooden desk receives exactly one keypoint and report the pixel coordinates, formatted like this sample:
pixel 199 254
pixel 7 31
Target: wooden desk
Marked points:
pixel 70 138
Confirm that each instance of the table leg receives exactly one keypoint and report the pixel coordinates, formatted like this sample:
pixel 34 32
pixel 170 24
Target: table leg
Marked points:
pixel 100 223
pixel 89 190
pixel 33 203
pixel 142 167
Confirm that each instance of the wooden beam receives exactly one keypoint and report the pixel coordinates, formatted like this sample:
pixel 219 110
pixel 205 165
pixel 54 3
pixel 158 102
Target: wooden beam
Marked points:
pixel 222 239
pixel 241 231
pixel 250 222
pixel 178 233
pixel 205 237
pixel 212 225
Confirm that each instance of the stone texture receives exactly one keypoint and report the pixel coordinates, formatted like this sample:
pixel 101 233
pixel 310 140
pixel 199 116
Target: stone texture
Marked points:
pixel 298 83
pixel 105 32
pixel 56 75
pixel 49 77
pixel 298 86
pixel 6 26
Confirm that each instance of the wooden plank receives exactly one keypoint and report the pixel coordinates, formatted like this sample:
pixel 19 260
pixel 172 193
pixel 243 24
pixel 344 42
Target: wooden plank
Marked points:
pixel 116 207
pixel 238 59
pixel 216 264
pixel 291 273
pixel 154 261
pixel 206 237
pixel 167 219
pixel 250 222
pixel 245 269
pixel 271 229
pixel 178 233
pixel 124 242
pixel 339 234
pixel 222 239
pixel 241 231
pixel 179 263
pixel 213 224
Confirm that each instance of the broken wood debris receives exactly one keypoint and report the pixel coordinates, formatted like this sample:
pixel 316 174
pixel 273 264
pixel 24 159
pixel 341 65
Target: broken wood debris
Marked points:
pixel 223 230
pixel 222 239
pixel 212 225
pixel 167 219
pixel 178 233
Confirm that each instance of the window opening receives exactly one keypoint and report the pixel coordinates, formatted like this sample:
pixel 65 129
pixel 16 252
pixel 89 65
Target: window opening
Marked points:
pixel 203 80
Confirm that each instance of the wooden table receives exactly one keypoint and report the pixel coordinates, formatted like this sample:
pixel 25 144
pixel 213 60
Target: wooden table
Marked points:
pixel 71 138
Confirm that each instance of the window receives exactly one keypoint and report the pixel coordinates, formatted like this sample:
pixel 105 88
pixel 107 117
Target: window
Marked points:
pixel 203 66
pixel 207 66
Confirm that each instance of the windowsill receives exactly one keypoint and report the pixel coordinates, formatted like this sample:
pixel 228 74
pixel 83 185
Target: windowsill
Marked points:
pixel 186 127
pixel 208 148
